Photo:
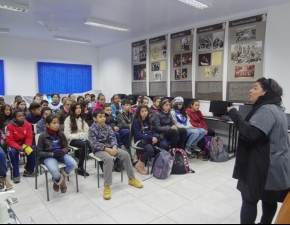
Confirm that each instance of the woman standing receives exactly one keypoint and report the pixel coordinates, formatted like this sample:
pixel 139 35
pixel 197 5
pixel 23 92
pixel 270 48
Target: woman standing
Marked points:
pixel 263 161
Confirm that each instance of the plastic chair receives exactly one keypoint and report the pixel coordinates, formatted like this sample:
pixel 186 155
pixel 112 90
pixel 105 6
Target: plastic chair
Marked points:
pixel 42 166
pixel 97 163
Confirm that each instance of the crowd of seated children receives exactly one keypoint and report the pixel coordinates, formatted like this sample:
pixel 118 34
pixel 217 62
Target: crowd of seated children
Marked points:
pixel 182 120
pixel 104 145
pixel 145 136
pixel 115 100
pixel 35 113
pixel 87 112
pixel 41 125
pixel 44 103
pixel 52 148
pixel 55 104
pixel 76 132
pixel 62 114
pixel 125 118
pixel 166 128
pixel 19 139
pixel 101 100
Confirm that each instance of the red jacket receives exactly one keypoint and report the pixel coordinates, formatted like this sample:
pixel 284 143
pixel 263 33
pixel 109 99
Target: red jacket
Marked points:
pixel 196 119
pixel 16 135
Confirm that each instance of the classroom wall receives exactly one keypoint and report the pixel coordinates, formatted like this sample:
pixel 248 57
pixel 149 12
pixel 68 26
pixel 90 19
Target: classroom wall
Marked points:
pixel 21 56
pixel 115 69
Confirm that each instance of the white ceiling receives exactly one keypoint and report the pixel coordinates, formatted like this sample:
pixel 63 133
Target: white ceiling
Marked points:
pixel 143 16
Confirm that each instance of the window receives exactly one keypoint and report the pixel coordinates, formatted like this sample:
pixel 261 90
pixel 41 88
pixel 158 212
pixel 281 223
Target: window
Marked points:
pixel 64 78
pixel 2 85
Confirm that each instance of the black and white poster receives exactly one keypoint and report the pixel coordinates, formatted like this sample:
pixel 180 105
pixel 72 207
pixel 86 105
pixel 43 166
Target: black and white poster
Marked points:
pixel 139 70
pixel 246 55
pixel 209 61
pixel 181 63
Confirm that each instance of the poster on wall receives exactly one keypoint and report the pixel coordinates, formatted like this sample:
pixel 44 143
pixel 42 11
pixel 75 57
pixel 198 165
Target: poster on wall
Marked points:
pixel 158 61
pixel 181 64
pixel 209 60
pixel 139 70
pixel 246 56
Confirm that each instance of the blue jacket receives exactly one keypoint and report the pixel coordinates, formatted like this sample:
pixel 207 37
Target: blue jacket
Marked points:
pixel 147 133
pixel 115 109
pixel 40 126
pixel 102 137
pixel 32 119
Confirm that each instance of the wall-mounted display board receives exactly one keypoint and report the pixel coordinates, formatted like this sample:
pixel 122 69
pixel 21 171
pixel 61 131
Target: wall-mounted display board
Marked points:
pixel 139 60
pixel 209 62
pixel 246 56
pixel 158 66
pixel 181 64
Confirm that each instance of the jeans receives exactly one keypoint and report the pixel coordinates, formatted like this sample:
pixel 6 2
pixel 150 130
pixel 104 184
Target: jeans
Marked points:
pixel 14 157
pixel 123 137
pixel 194 135
pixel 3 167
pixel 149 150
pixel 52 166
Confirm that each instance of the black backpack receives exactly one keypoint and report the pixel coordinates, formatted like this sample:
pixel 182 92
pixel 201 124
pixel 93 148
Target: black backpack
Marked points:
pixel 180 164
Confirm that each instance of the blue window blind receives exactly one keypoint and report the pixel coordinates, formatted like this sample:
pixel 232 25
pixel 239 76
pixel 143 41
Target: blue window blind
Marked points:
pixel 2 84
pixel 64 78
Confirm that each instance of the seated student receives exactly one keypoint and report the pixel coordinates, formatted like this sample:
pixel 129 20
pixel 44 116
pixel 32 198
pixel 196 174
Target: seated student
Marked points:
pixel 140 100
pixel 63 113
pixel 40 95
pixel 5 117
pixel 72 97
pixel 76 131
pixel 16 99
pixel 3 170
pixel 155 106
pixel 88 114
pixel 19 138
pixel 165 126
pixel 41 125
pixel 93 99
pixel 145 137
pixel 52 148
pixel 37 99
pixel 101 100
pixel 125 117
pixel 116 107
pixel 146 101
pixel 55 104
pixel 88 98
pixel 104 145
pixel 122 135
pixel 44 103
pixel 35 113
pixel 62 102
pixel 182 120
pixel 197 120
pixel 21 105
pixel 2 101
pixel 80 99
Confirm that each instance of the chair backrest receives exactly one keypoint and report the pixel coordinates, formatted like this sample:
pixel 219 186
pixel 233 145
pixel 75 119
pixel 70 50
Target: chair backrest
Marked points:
pixel 36 138
pixel 35 128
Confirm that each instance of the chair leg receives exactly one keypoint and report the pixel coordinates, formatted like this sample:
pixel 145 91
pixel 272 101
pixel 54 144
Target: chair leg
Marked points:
pixel 77 181
pixel 121 171
pixel 47 190
pixel 86 149
pixel 98 173
pixel 95 163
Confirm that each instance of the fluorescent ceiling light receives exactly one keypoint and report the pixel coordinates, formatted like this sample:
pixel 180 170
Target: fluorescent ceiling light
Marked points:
pixel 59 38
pixel 4 30
pixel 200 4
pixel 106 24
pixel 13 6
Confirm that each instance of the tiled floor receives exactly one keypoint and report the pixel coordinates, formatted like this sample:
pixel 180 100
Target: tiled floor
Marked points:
pixel 208 196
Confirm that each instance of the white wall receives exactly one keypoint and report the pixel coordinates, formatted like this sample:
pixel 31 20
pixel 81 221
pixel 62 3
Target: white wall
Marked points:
pixel 115 60
pixel 21 56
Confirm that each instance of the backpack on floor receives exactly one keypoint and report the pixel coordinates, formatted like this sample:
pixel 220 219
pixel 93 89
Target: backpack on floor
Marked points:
pixel 162 165
pixel 218 152
pixel 181 163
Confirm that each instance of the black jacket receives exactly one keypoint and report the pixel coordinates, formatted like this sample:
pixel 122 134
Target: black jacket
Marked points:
pixel 45 143
pixel 163 121
pixel 112 122
pixel 123 121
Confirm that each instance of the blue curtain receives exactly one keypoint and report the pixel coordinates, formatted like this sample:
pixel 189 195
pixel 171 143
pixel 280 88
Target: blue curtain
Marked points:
pixel 64 78
pixel 2 84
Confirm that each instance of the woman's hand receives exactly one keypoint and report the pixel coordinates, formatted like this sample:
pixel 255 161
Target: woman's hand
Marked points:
pixel 230 108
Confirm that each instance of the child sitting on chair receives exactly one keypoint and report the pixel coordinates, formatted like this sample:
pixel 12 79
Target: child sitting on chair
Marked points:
pixel 104 145
pixel 19 139
pixel 41 125
pixel 55 104
pixel 35 113
pixel 52 148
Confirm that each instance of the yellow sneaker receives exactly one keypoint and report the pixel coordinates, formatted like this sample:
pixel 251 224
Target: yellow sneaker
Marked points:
pixel 107 193
pixel 134 182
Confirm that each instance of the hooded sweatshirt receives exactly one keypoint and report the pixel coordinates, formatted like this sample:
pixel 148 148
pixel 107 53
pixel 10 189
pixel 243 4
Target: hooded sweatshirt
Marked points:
pixel 17 135
pixel 179 119
pixel 196 119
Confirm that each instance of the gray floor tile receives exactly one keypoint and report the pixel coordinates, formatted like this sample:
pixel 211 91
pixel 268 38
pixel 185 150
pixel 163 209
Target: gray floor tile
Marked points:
pixel 40 217
pixel 102 218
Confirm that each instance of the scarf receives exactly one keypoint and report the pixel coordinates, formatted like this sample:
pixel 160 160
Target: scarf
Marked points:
pixel 243 146
pixel 51 132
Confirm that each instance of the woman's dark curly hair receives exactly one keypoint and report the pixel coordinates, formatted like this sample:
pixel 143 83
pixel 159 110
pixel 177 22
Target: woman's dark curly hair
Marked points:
pixel 73 118
pixel 139 118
